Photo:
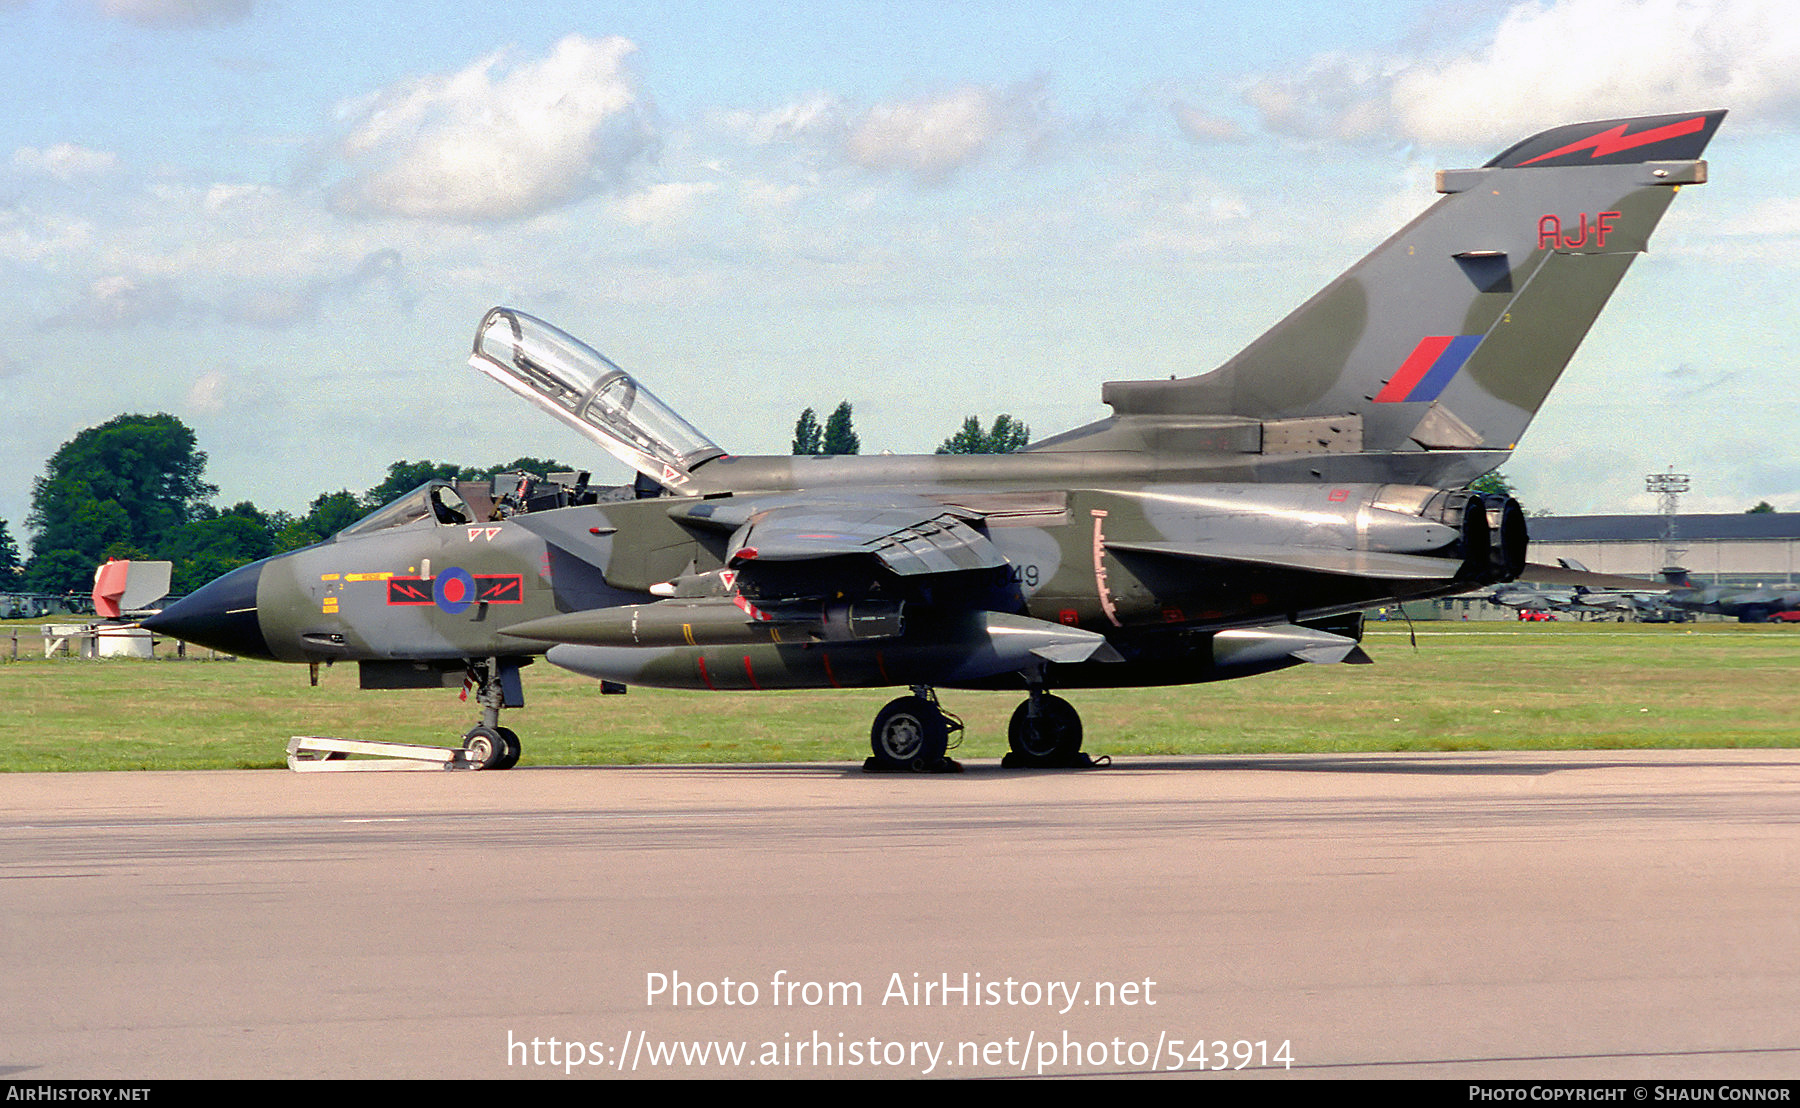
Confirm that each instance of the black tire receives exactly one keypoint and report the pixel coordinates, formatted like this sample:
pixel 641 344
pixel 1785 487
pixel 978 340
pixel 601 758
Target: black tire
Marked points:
pixel 909 732
pixel 1055 741
pixel 513 748
pixel 485 748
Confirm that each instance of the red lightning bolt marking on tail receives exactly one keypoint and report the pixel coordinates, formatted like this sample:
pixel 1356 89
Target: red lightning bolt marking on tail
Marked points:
pixel 1615 140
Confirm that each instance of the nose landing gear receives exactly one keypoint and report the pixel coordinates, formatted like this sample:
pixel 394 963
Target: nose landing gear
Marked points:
pixel 496 685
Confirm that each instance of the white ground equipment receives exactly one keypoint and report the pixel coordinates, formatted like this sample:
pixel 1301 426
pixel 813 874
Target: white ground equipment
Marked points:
pixel 310 753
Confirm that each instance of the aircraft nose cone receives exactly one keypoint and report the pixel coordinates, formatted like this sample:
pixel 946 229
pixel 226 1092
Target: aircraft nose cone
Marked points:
pixel 222 615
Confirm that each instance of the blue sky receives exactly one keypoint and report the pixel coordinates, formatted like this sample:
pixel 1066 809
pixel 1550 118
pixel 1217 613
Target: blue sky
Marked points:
pixel 281 221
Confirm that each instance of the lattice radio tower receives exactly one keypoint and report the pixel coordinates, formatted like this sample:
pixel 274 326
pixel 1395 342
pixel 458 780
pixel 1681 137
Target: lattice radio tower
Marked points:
pixel 1668 488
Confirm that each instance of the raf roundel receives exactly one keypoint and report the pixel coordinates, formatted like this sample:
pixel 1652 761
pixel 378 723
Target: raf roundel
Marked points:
pixel 453 590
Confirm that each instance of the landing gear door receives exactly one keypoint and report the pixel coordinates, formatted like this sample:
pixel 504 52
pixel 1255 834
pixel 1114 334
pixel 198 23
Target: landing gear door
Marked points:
pixel 581 387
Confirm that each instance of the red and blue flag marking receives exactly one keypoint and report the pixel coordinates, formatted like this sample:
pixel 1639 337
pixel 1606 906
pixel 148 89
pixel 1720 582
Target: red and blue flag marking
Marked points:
pixel 1428 368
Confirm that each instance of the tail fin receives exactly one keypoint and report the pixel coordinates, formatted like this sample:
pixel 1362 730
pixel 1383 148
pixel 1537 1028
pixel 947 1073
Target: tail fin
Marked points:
pixel 1450 334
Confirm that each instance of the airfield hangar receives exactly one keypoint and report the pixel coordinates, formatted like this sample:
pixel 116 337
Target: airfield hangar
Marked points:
pixel 1761 548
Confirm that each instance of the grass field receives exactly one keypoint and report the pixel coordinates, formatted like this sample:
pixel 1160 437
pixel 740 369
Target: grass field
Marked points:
pixel 1467 686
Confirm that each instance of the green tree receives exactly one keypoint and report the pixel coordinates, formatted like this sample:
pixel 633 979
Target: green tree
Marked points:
pixel 328 514
pixel 206 548
pixel 1494 482
pixel 87 532
pixel 11 565
pixel 270 522
pixel 120 488
pixel 1762 506
pixel 543 467
pixel 808 438
pixel 840 436
pixel 1005 436
pixel 333 511
pixel 59 571
pixel 403 477
pixel 148 465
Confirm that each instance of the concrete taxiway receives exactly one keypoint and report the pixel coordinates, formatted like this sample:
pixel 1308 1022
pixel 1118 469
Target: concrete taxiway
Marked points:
pixel 1590 914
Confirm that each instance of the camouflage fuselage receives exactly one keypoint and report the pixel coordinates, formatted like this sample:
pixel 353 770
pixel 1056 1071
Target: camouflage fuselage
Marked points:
pixel 1128 557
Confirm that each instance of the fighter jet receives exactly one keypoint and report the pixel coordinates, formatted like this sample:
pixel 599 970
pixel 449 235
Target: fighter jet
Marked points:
pixel 1758 604
pixel 1530 598
pixel 1582 593
pixel 1627 599
pixel 1211 527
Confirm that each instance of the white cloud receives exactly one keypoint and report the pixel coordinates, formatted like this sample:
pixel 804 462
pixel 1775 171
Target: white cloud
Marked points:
pixel 1337 96
pixel 1202 126
pixel 175 13
pixel 1547 64
pixel 818 114
pixel 1172 214
pixel 121 300
pixel 277 305
pixel 927 137
pixel 264 300
pixel 931 138
pixel 662 203
pixel 38 238
pixel 1776 216
pixel 65 161
pixel 498 140
pixel 221 197
pixel 207 393
pixel 1591 59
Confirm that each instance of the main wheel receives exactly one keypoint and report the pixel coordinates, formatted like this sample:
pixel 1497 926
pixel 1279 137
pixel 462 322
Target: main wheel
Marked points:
pixel 485 747
pixel 1052 739
pixel 910 731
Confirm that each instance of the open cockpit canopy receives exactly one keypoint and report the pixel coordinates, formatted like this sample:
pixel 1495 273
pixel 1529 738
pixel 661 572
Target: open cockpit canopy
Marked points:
pixel 584 389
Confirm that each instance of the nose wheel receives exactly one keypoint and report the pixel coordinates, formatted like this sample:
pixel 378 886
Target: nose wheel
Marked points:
pixel 492 747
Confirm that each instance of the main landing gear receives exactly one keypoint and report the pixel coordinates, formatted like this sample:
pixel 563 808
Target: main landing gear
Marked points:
pixel 489 745
pixel 913 733
pixel 1044 733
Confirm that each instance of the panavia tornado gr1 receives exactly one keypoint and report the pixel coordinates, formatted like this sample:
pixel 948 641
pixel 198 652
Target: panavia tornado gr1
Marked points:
pixel 1212 527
